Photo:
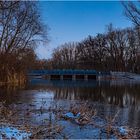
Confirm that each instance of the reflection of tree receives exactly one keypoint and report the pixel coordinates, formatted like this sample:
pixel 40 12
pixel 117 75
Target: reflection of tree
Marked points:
pixel 14 94
pixel 121 95
pixel 9 94
pixel 116 95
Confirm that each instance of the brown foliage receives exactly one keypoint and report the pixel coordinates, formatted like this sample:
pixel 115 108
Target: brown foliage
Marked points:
pixel 20 29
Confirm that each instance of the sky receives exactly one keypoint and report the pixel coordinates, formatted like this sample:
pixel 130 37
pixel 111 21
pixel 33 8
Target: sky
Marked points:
pixel 74 20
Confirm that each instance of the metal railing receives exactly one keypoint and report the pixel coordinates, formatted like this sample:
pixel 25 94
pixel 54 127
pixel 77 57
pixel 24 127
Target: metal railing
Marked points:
pixel 66 72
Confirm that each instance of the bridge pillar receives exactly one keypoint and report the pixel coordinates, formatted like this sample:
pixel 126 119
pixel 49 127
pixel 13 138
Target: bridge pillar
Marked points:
pixel 86 77
pixel 61 77
pixel 92 77
pixel 48 77
pixel 73 77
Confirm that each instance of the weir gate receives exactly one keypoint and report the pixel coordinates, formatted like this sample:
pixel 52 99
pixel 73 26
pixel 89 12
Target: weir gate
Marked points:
pixel 68 74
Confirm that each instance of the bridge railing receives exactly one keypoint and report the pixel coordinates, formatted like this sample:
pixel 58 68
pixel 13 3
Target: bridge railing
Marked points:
pixel 67 72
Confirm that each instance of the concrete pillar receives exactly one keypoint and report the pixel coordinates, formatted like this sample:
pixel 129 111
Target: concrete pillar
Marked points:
pixel 86 77
pixel 48 77
pixel 99 77
pixel 73 77
pixel 61 77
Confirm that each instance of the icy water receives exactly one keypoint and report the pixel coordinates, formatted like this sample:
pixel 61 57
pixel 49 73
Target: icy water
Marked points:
pixel 107 97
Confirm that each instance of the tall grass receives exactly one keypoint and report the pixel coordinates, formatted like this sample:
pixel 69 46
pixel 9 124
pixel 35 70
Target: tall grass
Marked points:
pixel 16 78
pixel 12 71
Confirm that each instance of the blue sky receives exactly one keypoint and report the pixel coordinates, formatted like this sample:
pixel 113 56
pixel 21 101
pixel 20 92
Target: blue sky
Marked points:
pixel 75 20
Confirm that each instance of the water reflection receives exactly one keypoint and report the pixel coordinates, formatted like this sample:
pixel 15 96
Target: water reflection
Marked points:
pixel 9 94
pixel 107 95
pixel 104 92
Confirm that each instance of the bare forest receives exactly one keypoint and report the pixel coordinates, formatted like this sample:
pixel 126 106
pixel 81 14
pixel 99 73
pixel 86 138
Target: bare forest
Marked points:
pixel 115 50
pixel 20 29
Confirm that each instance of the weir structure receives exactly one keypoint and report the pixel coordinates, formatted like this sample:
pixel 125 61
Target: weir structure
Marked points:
pixel 68 74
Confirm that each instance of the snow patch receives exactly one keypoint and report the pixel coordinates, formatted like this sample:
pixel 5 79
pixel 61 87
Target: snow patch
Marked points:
pixel 8 132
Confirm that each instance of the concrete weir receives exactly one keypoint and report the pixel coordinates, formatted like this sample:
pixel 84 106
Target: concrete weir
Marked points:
pixel 80 77
pixel 66 77
pixel 71 77
pixel 90 77
pixel 68 74
pixel 55 77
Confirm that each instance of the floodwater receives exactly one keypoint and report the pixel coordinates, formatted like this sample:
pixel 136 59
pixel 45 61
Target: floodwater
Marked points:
pixel 107 97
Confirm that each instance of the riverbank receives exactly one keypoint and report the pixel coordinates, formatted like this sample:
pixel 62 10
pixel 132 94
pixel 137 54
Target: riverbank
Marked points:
pixel 61 123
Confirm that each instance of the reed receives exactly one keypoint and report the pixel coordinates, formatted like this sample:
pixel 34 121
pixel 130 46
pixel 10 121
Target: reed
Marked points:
pixel 15 79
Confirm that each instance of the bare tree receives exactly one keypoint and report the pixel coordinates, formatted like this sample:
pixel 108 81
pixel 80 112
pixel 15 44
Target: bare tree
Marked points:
pixel 116 50
pixel 65 56
pixel 20 25
pixel 20 29
pixel 132 11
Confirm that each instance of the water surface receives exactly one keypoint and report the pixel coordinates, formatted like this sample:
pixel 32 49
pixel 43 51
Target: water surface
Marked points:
pixel 107 97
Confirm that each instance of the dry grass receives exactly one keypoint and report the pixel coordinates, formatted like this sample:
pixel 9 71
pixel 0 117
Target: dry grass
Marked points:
pixel 51 129
pixel 85 111
pixel 9 118
pixel 86 117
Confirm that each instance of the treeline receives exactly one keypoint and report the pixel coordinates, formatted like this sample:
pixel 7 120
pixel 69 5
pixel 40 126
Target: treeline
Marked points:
pixel 20 29
pixel 115 50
